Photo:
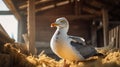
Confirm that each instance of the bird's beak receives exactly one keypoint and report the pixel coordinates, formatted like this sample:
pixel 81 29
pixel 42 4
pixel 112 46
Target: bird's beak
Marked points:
pixel 54 24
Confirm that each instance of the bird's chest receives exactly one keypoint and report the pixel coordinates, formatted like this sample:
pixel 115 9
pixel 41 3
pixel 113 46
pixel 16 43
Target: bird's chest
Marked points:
pixel 59 46
pixel 64 50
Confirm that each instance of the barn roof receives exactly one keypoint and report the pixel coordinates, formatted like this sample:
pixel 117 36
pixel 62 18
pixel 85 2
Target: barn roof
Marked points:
pixel 90 7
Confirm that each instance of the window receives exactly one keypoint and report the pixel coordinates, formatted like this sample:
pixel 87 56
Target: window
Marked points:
pixel 3 7
pixel 9 22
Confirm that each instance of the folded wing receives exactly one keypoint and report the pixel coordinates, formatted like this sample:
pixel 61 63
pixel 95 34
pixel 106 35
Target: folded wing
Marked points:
pixel 84 50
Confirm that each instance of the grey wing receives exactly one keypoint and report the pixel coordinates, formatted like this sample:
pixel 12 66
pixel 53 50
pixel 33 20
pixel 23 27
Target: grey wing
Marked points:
pixel 84 50
pixel 78 39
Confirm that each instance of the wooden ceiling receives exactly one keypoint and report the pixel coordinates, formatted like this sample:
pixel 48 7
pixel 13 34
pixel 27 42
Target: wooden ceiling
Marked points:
pixel 89 7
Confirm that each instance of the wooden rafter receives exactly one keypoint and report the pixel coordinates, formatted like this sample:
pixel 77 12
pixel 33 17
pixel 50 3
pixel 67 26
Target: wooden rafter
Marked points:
pixel 72 17
pixel 95 3
pixel 25 5
pixel 49 6
pixel 41 4
pixel 91 11
pixel 49 3
pixel 114 22
pixel 13 9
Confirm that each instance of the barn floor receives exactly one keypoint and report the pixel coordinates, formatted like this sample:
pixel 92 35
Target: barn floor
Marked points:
pixel 12 57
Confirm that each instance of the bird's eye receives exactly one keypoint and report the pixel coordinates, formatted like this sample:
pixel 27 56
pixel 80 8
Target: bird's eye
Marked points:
pixel 62 21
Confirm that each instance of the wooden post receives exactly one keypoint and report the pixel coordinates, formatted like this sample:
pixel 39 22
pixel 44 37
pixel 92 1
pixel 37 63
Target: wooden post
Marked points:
pixel 31 25
pixel 94 34
pixel 78 4
pixel 105 26
pixel 119 35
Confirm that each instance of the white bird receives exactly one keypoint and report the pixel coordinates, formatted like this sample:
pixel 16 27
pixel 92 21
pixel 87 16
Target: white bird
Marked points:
pixel 71 48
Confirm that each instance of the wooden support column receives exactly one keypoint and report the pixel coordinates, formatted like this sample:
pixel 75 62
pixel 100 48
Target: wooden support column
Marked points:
pixel 94 34
pixel 78 4
pixel 105 26
pixel 119 36
pixel 31 26
pixel 116 30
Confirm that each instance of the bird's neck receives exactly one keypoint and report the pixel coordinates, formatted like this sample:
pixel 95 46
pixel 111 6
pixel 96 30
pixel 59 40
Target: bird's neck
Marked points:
pixel 61 31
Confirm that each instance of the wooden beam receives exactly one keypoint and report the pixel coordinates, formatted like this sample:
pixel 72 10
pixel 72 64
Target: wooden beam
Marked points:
pixel 25 5
pixel 41 3
pixel 57 3
pixel 95 3
pixel 114 22
pixel 45 8
pixel 12 8
pixel 31 26
pixel 91 11
pixel 47 5
pixel 50 5
pixel 105 26
pixel 72 17
pixel 6 13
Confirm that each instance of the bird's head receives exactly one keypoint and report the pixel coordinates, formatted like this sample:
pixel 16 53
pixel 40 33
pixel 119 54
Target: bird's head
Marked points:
pixel 60 23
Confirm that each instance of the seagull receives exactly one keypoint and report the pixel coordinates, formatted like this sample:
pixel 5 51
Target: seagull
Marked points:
pixel 68 47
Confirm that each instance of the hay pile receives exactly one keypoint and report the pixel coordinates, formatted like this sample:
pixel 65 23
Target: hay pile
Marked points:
pixel 12 57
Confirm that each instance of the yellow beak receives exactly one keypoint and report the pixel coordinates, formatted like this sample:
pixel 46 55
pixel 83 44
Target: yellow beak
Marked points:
pixel 54 24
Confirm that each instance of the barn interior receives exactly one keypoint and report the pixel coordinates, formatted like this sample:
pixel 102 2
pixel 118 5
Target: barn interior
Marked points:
pixel 97 21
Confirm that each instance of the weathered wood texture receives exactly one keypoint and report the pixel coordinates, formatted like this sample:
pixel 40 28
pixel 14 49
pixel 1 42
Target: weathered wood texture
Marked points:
pixel 114 35
pixel 11 6
pixel 94 35
pixel 105 25
pixel 78 27
pixel 78 7
pixel 31 26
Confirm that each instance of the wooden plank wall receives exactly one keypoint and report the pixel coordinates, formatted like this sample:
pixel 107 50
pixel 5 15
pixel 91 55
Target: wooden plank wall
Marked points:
pixel 114 35
pixel 43 21
pixel 77 28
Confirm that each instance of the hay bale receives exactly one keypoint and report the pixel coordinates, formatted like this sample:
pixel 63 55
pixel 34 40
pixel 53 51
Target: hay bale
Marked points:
pixel 15 58
pixel 5 39
pixel 4 60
